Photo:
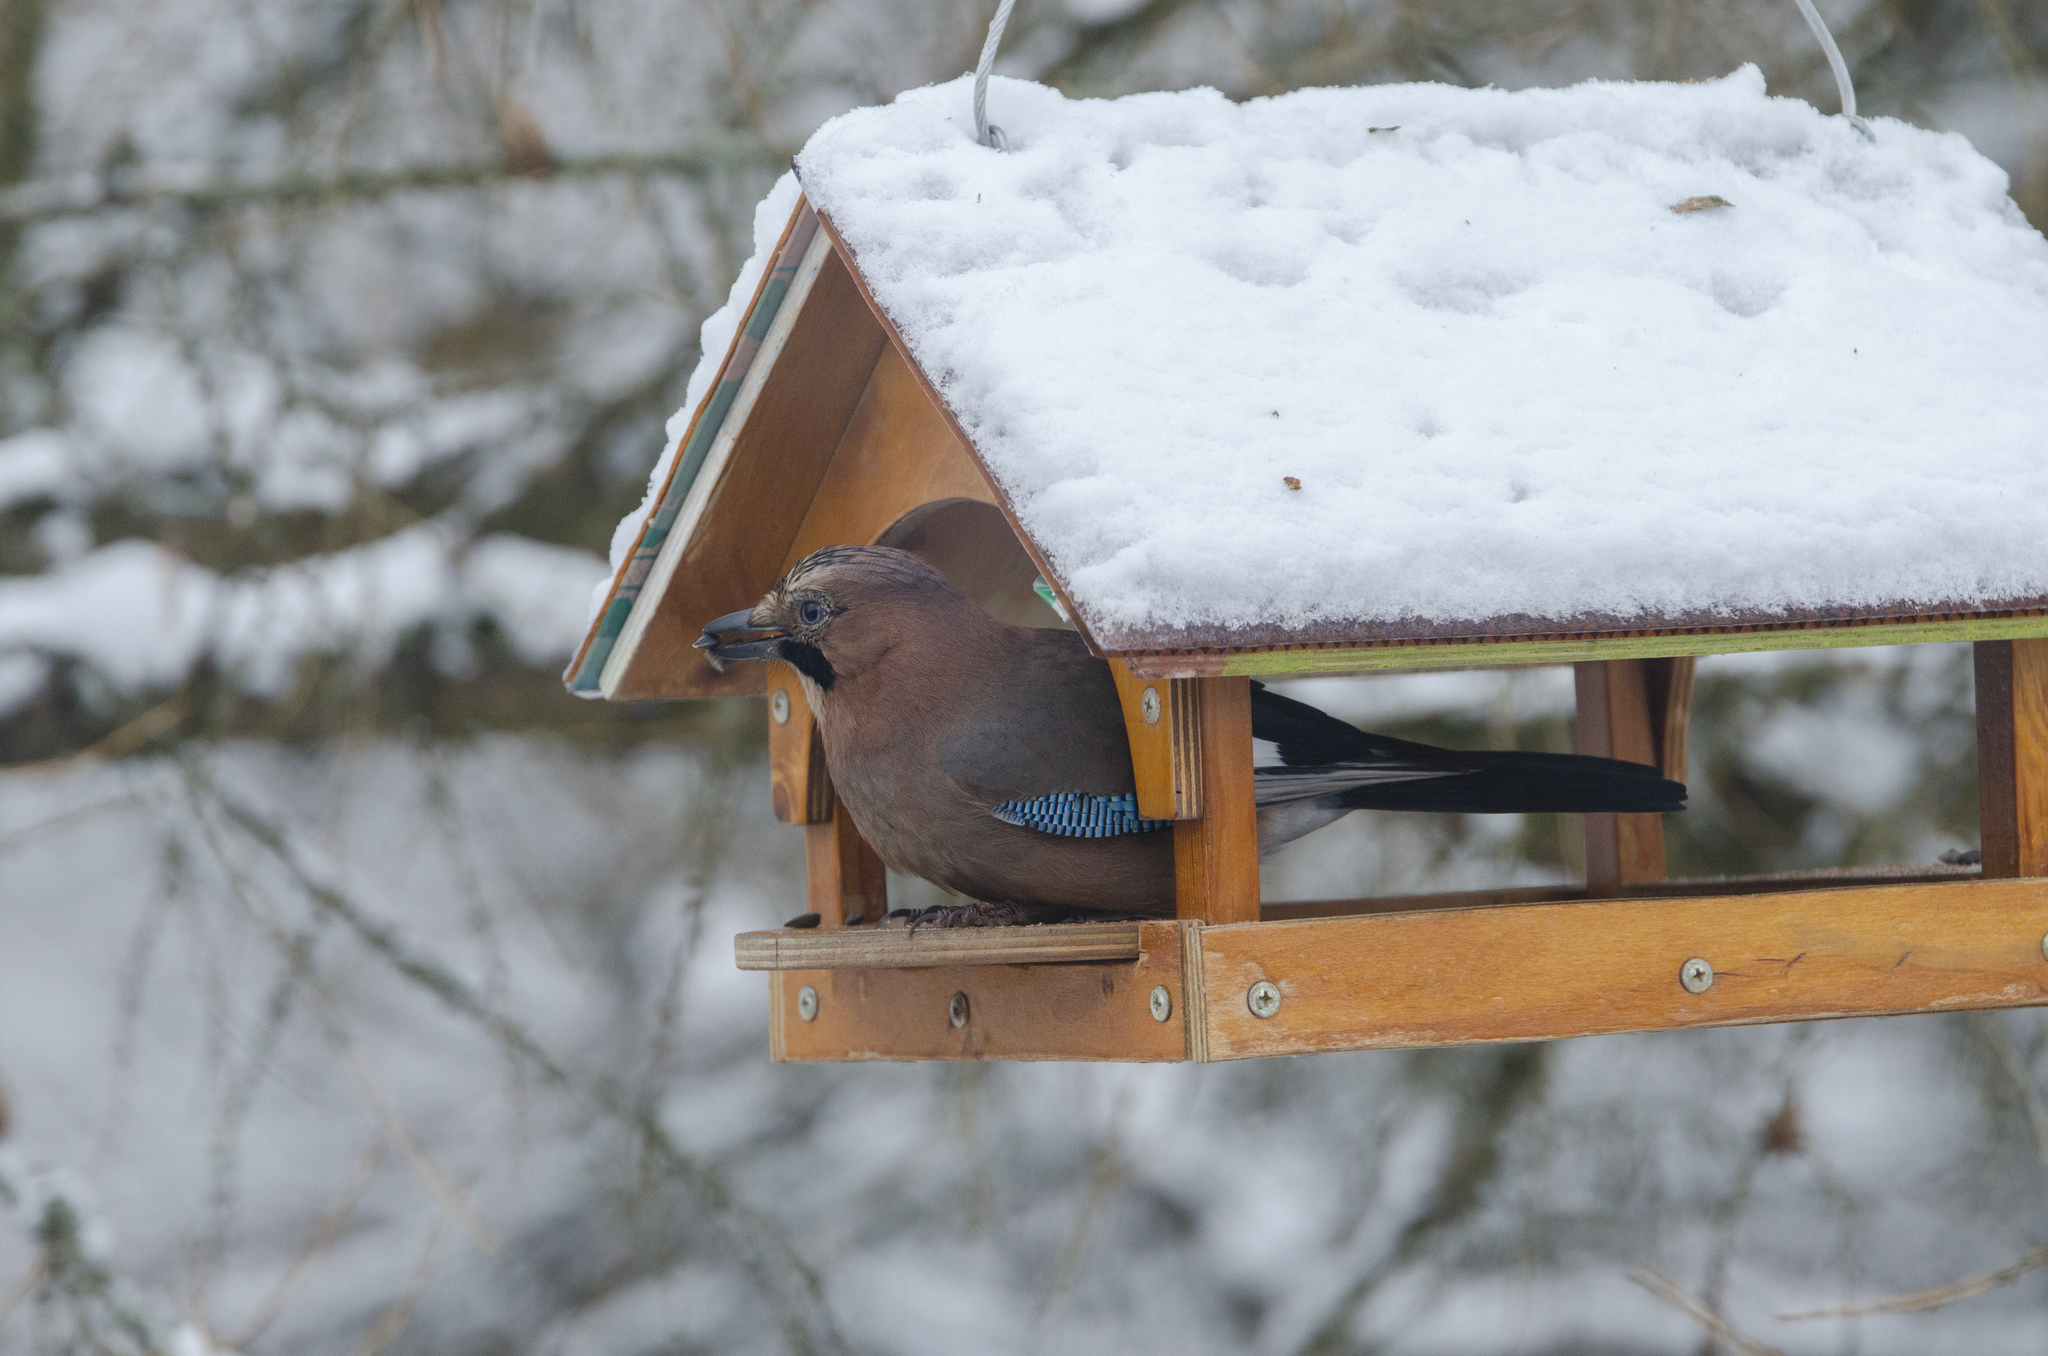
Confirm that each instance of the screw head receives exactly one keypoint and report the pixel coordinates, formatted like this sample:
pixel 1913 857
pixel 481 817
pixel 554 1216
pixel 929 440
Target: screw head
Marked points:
pixel 807 1003
pixel 2044 948
pixel 1162 1003
pixel 1696 975
pixel 1148 705
pixel 1263 999
pixel 956 1011
pixel 778 705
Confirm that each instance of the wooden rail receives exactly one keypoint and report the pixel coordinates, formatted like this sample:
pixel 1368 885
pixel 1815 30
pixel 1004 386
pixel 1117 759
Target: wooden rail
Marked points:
pixel 1441 975
pixel 899 947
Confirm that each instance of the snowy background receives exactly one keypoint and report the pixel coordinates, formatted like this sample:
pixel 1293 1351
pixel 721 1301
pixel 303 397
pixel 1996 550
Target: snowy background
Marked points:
pixel 360 991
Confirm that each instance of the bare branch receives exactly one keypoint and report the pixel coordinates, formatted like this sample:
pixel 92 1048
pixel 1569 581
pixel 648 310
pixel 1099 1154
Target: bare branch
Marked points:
pixel 1717 1327
pixel 323 1240
pixel 446 1193
pixel 22 1288
pixel 207 191
pixel 1913 1301
pixel 757 1241
pixel 398 1313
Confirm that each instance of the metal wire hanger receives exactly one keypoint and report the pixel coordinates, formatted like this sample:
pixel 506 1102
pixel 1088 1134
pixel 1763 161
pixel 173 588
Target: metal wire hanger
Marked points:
pixel 991 136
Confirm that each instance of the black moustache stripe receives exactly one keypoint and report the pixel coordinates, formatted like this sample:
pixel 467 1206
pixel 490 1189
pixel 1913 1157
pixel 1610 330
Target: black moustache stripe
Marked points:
pixel 810 661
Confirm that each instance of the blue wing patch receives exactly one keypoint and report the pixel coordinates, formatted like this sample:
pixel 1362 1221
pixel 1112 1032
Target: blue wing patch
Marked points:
pixel 1076 814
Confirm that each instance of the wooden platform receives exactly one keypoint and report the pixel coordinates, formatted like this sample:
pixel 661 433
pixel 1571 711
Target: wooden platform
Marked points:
pixel 1456 970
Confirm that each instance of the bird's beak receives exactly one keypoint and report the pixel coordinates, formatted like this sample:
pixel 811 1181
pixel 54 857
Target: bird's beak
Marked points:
pixel 737 636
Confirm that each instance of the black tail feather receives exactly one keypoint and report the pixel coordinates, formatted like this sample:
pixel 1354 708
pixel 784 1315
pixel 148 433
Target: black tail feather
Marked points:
pixel 1492 782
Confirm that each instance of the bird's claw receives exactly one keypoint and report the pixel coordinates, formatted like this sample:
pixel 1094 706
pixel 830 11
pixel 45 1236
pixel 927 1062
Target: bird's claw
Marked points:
pixel 981 914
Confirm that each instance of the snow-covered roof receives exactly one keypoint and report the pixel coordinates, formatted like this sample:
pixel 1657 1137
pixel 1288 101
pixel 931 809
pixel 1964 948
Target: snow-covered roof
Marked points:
pixel 1517 355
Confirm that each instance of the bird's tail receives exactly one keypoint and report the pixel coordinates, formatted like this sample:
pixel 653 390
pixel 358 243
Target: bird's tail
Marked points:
pixel 1457 781
pixel 1529 783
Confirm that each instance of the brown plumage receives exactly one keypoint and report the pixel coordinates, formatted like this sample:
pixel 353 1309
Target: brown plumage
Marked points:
pixel 932 712
pixel 942 726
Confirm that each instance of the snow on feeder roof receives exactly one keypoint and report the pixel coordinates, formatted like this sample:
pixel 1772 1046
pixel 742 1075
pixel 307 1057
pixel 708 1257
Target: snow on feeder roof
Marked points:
pixel 1410 362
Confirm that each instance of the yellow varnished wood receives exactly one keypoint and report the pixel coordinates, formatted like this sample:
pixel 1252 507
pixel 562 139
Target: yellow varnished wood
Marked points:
pixel 1165 749
pixel 902 948
pixel 1216 857
pixel 1617 719
pixel 1096 1011
pixel 897 454
pixel 1541 971
pixel 2012 756
pixel 843 876
pixel 797 779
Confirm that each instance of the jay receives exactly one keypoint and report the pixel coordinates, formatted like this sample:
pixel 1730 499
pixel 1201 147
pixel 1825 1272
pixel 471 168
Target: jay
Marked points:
pixel 992 760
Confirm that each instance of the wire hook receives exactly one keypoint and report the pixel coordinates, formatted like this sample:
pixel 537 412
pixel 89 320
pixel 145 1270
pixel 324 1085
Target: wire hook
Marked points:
pixel 984 133
pixel 1843 87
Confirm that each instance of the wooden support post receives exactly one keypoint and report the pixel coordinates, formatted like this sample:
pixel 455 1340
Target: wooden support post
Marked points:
pixel 1216 857
pixel 2012 756
pixel 796 755
pixel 1636 710
pixel 1159 719
pixel 844 876
pixel 1670 687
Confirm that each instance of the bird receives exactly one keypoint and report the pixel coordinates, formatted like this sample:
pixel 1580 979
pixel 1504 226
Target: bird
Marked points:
pixel 992 759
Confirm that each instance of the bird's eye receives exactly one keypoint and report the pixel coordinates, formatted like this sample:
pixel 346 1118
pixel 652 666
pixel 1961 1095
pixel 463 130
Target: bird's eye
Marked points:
pixel 811 614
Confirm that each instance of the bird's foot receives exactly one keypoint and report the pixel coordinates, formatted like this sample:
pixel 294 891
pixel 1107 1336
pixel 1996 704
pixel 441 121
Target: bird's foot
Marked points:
pixel 980 914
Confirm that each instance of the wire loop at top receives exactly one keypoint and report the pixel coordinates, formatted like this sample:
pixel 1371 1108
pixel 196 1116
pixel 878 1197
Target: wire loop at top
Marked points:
pixel 985 134
pixel 1843 88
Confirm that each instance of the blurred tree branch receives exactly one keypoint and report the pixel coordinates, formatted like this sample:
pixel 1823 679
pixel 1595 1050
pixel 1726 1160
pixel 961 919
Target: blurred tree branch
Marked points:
pixel 50 199
pixel 756 1239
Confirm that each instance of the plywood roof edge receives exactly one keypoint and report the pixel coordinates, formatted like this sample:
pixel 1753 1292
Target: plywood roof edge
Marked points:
pixel 931 390
pixel 1452 645
pixel 586 669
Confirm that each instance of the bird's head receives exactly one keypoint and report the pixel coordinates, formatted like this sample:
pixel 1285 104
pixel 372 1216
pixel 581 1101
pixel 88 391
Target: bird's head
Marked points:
pixel 835 615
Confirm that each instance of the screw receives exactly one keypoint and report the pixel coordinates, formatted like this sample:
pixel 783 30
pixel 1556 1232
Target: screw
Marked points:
pixel 807 1003
pixel 1162 1003
pixel 1263 999
pixel 2044 948
pixel 778 705
pixel 1696 975
pixel 1148 705
pixel 956 1011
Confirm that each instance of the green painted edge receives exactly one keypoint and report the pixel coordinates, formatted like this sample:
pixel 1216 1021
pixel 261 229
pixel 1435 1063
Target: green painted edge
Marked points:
pixel 1478 653
pixel 586 673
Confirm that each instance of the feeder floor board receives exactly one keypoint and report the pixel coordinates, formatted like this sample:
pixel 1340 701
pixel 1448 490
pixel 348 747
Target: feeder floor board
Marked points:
pixel 1504 971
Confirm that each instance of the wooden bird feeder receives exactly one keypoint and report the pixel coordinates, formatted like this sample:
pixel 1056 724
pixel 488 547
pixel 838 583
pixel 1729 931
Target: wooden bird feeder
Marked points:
pixel 823 426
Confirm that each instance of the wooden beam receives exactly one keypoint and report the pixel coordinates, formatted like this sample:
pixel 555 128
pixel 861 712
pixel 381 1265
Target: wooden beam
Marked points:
pixel 1454 976
pixel 1670 683
pixel 1615 720
pixel 1335 658
pixel 1773 883
pixel 1541 971
pixel 1216 857
pixel 2012 756
pixel 1099 1011
pixel 797 779
pixel 844 877
pixel 900 948
pixel 787 949
pixel 1166 742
